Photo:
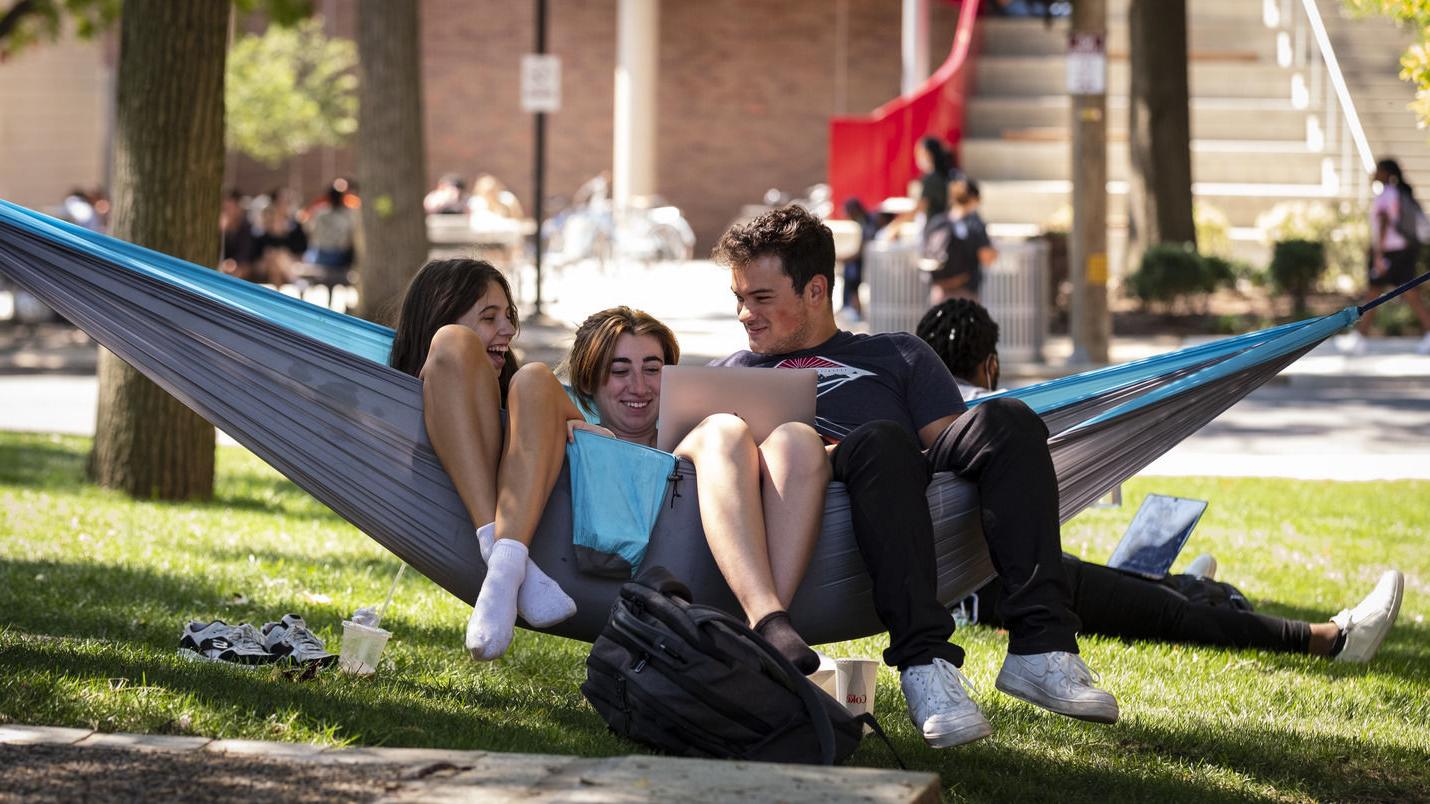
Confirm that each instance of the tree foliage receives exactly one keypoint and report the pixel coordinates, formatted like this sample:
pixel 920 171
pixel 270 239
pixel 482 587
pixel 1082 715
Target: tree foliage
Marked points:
pixel 289 90
pixel 26 22
pixel 1415 61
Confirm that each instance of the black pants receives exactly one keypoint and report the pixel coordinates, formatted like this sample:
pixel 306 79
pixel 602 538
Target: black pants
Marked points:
pixel 1117 604
pixel 1122 605
pixel 1001 446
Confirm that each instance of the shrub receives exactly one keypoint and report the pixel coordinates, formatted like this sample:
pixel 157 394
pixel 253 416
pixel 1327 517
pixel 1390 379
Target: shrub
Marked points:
pixel 1172 271
pixel 1295 267
pixel 1341 230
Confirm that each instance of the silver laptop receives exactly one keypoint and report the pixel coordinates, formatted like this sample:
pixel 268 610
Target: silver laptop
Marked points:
pixel 764 397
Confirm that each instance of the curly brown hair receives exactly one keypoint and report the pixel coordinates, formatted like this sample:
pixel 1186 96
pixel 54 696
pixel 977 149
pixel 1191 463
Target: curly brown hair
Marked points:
pixel 588 365
pixel 804 245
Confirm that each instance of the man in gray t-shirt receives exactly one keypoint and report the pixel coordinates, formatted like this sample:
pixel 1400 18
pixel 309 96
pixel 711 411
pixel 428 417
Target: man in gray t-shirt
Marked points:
pixel 893 416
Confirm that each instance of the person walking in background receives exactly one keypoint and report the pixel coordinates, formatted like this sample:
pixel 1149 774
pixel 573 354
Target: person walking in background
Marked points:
pixel 869 226
pixel 957 247
pixel 1395 245
pixel 1192 607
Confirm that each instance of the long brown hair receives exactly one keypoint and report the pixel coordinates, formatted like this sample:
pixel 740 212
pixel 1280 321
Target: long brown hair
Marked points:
pixel 588 365
pixel 438 295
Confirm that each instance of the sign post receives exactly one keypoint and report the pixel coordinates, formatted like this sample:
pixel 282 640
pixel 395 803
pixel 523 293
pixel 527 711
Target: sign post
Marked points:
pixel 1087 84
pixel 540 94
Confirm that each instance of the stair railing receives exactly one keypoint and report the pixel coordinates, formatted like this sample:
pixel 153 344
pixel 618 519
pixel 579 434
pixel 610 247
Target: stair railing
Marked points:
pixel 1317 85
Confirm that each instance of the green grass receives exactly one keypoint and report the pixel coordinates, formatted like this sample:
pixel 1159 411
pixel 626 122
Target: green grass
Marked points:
pixel 94 588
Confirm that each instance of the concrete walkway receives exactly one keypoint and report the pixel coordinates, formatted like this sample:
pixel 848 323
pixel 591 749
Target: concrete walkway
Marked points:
pixel 60 764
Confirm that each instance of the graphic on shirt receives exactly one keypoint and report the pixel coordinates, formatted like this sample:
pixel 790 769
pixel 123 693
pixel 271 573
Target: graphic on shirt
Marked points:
pixel 832 374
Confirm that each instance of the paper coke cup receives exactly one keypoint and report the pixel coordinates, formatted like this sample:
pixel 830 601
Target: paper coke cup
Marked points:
pixel 362 648
pixel 855 684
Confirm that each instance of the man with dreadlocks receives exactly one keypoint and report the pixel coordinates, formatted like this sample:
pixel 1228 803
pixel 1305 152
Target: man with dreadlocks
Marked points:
pixel 1193 607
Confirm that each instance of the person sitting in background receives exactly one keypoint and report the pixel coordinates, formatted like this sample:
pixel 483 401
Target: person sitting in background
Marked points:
pixel 332 234
pixel 278 238
pixel 957 247
pixel 491 197
pixel 1179 608
pixel 449 197
pixel 239 248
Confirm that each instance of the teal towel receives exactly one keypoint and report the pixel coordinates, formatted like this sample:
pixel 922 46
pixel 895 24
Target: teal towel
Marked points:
pixel 616 491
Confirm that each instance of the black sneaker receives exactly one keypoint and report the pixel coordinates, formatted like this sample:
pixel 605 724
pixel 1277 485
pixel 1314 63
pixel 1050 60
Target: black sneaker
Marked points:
pixel 290 641
pixel 219 641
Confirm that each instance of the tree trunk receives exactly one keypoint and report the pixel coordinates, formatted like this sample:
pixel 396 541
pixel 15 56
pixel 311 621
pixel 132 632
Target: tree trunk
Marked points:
pixel 1159 204
pixel 391 157
pixel 168 171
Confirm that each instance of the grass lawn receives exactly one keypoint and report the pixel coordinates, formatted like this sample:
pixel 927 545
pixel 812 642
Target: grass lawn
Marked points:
pixel 94 589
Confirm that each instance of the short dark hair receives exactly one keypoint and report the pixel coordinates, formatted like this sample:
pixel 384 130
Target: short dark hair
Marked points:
pixel 804 245
pixel 961 333
pixel 438 295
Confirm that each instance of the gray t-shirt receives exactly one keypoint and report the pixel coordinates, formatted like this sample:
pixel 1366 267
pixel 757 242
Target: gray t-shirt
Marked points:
pixel 864 378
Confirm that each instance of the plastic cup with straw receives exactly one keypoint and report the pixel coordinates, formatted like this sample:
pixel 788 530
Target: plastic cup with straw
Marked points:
pixel 363 640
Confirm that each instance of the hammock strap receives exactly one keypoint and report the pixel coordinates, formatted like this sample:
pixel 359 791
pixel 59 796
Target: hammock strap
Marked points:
pixel 1387 296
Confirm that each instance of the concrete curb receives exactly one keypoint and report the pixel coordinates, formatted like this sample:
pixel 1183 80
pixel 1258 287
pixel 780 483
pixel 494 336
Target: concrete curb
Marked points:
pixel 442 775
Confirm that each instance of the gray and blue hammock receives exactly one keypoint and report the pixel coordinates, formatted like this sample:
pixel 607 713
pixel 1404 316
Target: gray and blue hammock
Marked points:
pixel 308 390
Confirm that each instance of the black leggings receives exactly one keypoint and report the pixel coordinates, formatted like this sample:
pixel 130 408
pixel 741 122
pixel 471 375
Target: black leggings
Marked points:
pixel 1115 603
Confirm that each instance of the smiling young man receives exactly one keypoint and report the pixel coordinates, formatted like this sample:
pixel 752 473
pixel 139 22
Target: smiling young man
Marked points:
pixel 894 416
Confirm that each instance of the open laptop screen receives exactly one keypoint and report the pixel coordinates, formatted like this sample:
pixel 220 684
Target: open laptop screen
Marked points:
pixel 1162 525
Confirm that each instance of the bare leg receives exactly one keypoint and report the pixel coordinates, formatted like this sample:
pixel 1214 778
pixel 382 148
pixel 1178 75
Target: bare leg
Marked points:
pixel 794 473
pixel 537 411
pixel 461 400
pixel 1417 303
pixel 1323 638
pixel 727 477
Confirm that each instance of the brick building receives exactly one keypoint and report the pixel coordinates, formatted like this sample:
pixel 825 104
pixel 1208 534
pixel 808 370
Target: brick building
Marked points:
pixel 744 96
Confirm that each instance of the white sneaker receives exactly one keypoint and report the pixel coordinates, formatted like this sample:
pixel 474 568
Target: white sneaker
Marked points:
pixel 1351 343
pixel 1423 348
pixel 1203 566
pixel 937 694
pixel 1366 625
pixel 1058 682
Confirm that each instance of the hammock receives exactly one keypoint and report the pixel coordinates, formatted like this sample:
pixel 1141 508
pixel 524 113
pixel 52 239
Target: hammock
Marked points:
pixel 308 391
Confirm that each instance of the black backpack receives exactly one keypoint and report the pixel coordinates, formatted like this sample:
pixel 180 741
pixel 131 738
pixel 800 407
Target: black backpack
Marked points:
pixel 691 680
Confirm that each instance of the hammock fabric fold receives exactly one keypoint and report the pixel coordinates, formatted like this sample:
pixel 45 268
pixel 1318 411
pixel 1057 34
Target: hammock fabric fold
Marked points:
pixel 307 390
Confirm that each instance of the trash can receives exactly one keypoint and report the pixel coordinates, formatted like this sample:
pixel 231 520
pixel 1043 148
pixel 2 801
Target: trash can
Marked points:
pixel 1015 293
pixel 898 290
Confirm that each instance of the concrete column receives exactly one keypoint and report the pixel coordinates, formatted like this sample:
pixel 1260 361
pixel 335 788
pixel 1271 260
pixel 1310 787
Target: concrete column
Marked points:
pixel 637 76
pixel 915 49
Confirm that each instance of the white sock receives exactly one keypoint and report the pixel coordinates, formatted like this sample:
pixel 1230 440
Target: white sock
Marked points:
pixel 540 601
pixel 489 630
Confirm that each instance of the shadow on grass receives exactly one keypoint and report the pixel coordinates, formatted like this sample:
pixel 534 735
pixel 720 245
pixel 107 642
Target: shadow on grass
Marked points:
pixel 360 711
pixel 40 461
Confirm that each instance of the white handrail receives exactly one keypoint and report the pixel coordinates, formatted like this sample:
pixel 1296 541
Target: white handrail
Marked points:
pixel 1333 70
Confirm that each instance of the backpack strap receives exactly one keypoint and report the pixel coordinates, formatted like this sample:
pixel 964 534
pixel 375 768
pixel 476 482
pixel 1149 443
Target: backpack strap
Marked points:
pixel 868 720
pixel 806 691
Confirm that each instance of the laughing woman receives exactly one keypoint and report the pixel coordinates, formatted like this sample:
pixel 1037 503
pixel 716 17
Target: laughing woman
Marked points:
pixel 454 333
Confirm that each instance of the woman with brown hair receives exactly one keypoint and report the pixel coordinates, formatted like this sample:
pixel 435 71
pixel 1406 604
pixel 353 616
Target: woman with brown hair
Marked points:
pixel 500 432
pixel 456 326
pixel 760 503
